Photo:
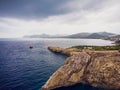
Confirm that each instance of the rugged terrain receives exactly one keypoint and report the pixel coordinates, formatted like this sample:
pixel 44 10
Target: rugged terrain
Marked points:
pixel 96 68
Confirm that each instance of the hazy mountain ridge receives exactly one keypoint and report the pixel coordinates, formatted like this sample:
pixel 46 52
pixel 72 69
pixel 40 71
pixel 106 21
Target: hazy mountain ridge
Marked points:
pixel 43 36
pixel 98 35
pixel 79 35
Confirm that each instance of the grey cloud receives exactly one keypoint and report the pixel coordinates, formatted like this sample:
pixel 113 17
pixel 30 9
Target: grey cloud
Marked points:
pixel 40 9
pixel 86 5
pixel 30 8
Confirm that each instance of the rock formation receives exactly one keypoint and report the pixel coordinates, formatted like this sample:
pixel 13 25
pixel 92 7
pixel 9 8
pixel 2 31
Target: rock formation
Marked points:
pixel 66 51
pixel 98 69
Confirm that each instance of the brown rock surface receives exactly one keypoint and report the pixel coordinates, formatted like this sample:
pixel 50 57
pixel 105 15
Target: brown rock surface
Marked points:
pixel 103 70
pixel 66 51
pixel 99 69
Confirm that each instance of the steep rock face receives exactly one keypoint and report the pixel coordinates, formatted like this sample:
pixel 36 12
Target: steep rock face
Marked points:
pixel 70 73
pixel 103 70
pixel 99 69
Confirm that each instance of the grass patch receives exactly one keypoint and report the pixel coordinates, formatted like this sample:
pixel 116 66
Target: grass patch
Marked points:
pixel 117 47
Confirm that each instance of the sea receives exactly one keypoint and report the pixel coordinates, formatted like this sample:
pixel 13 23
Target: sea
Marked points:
pixel 22 68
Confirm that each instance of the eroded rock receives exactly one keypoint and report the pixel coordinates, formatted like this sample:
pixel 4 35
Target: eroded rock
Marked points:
pixel 70 73
pixel 103 70
pixel 98 69
pixel 66 51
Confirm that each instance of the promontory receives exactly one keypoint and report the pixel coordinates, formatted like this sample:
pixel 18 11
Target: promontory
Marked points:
pixel 98 68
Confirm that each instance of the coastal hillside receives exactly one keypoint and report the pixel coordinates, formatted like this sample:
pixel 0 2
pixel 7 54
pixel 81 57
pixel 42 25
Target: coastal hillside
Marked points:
pixel 113 38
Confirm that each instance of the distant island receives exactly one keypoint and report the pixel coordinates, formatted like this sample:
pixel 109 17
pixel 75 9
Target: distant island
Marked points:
pixel 98 35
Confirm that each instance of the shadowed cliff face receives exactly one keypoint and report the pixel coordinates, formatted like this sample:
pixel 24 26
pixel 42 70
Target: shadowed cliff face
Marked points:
pixel 99 69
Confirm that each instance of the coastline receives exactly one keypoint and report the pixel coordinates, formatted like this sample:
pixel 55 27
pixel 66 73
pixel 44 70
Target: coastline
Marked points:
pixel 87 67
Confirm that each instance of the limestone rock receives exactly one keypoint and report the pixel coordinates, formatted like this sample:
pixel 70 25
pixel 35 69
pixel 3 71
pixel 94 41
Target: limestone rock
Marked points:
pixel 70 73
pixel 66 51
pixel 98 69
pixel 103 70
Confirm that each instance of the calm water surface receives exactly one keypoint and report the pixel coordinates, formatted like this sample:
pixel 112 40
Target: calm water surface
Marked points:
pixel 22 68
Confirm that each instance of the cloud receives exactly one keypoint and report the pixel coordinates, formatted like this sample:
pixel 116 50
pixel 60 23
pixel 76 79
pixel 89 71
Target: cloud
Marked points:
pixel 30 9
pixel 78 16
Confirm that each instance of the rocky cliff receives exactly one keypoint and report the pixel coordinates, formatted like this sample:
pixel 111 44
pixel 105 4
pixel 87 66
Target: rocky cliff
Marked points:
pixel 98 69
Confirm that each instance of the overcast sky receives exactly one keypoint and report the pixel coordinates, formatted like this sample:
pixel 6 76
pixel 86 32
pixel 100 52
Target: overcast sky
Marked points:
pixel 28 17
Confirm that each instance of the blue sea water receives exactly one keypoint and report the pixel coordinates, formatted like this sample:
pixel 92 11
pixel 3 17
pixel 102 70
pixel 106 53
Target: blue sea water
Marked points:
pixel 22 68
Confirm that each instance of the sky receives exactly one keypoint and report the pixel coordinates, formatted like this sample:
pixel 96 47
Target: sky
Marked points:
pixel 64 17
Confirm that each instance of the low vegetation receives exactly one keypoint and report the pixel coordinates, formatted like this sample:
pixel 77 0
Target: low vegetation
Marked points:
pixel 117 47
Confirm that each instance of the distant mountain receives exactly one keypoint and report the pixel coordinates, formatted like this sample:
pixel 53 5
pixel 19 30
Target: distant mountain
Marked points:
pixel 106 34
pixel 78 35
pixel 95 36
pixel 42 36
pixel 38 36
pixel 99 35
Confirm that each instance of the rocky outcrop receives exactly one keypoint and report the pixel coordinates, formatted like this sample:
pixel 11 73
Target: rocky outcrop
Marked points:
pixel 103 70
pixel 98 69
pixel 66 51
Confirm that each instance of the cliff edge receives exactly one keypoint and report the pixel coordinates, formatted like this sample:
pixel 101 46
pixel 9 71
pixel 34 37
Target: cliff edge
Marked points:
pixel 98 69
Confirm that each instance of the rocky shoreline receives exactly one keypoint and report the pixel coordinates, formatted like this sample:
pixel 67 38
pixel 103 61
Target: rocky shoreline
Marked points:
pixel 95 68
